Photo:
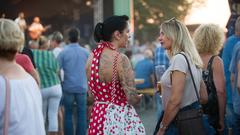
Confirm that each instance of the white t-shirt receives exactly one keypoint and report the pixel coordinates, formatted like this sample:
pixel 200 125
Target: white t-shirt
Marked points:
pixel 179 63
pixel 26 116
pixel 56 51
pixel 22 23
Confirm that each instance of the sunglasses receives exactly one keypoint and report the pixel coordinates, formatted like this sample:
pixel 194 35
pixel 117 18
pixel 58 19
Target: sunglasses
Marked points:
pixel 172 19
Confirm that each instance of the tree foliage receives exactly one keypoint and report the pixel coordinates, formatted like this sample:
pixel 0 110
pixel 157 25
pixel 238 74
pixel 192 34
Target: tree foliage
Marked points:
pixel 149 14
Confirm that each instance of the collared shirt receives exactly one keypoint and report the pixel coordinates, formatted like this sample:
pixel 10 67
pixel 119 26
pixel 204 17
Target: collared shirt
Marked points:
pixel 160 57
pixel 234 70
pixel 161 62
pixel 47 67
pixel 73 61
pixel 226 57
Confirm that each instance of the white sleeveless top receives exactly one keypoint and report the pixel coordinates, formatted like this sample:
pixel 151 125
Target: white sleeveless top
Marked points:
pixel 179 63
pixel 26 116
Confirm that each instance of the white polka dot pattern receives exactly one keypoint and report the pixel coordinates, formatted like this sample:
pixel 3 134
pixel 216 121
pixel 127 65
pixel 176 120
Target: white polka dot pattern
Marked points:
pixel 103 92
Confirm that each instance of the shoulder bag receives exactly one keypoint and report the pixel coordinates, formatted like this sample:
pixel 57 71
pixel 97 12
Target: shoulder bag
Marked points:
pixel 190 121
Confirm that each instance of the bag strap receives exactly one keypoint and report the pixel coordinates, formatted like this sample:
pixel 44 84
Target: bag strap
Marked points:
pixel 209 67
pixel 189 68
pixel 209 72
pixel 7 107
pixel 114 77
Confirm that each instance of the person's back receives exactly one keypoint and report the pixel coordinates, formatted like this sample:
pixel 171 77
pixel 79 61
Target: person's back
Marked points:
pixel 25 105
pixel 72 60
pixel 111 81
pixel 228 49
pixel 106 64
pixel 234 70
pixel 144 70
pixel 25 108
pixel 213 72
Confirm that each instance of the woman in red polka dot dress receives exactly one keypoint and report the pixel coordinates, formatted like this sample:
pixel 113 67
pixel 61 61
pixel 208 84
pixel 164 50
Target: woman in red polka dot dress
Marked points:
pixel 111 81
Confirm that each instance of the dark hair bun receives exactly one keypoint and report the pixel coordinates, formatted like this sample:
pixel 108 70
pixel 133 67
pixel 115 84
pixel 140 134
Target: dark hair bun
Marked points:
pixel 98 32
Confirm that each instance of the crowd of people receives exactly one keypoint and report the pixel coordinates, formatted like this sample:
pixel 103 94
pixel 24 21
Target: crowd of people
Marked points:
pixel 47 82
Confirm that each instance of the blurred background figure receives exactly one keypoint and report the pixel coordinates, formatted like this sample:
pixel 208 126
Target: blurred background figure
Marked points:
pixel 32 44
pixel 20 20
pixel 235 80
pixel 144 70
pixel 26 63
pixel 56 40
pixel 229 46
pixel 161 63
pixel 36 28
pixel 3 15
pixel 25 116
pixel 72 60
pixel 51 90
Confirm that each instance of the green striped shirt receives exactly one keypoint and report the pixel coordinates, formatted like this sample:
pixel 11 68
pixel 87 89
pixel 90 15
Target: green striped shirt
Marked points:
pixel 47 67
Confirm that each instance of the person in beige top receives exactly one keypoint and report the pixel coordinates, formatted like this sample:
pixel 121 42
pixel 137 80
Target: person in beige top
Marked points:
pixel 209 40
pixel 176 83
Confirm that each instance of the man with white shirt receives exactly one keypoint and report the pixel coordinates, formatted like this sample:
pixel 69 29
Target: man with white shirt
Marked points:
pixel 21 22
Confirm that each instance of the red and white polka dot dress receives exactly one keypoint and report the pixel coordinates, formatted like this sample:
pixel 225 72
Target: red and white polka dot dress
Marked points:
pixel 102 94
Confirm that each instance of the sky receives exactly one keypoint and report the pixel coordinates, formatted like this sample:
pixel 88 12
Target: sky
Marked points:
pixel 213 11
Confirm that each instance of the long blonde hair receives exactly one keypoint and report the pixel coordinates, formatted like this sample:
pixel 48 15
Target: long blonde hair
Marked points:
pixel 181 40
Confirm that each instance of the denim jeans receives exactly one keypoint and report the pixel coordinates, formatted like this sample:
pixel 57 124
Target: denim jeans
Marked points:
pixel 229 115
pixel 236 124
pixel 69 100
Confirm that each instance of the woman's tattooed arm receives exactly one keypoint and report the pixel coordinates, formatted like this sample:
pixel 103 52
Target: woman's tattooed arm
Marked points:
pixel 126 74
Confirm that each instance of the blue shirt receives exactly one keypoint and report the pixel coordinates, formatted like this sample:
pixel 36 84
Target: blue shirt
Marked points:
pixel 233 69
pixel 73 60
pixel 161 62
pixel 160 57
pixel 144 70
pixel 227 56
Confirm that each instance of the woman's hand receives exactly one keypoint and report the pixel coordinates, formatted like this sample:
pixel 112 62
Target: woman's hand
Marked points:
pixel 221 127
pixel 160 132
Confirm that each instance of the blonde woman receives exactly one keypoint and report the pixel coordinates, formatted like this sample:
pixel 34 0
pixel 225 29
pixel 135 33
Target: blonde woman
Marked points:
pixel 209 40
pixel 25 117
pixel 176 83
pixel 51 90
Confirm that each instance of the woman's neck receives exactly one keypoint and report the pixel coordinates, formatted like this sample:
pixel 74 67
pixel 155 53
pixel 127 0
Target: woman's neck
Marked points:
pixel 115 45
pixel 6 65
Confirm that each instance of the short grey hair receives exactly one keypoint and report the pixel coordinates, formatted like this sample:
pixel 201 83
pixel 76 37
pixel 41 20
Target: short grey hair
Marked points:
pixel 11 37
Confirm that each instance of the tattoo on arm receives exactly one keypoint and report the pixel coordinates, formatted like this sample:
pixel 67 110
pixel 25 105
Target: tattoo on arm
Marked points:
pixel 105 67
pixel 88 65
pixel 126 74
